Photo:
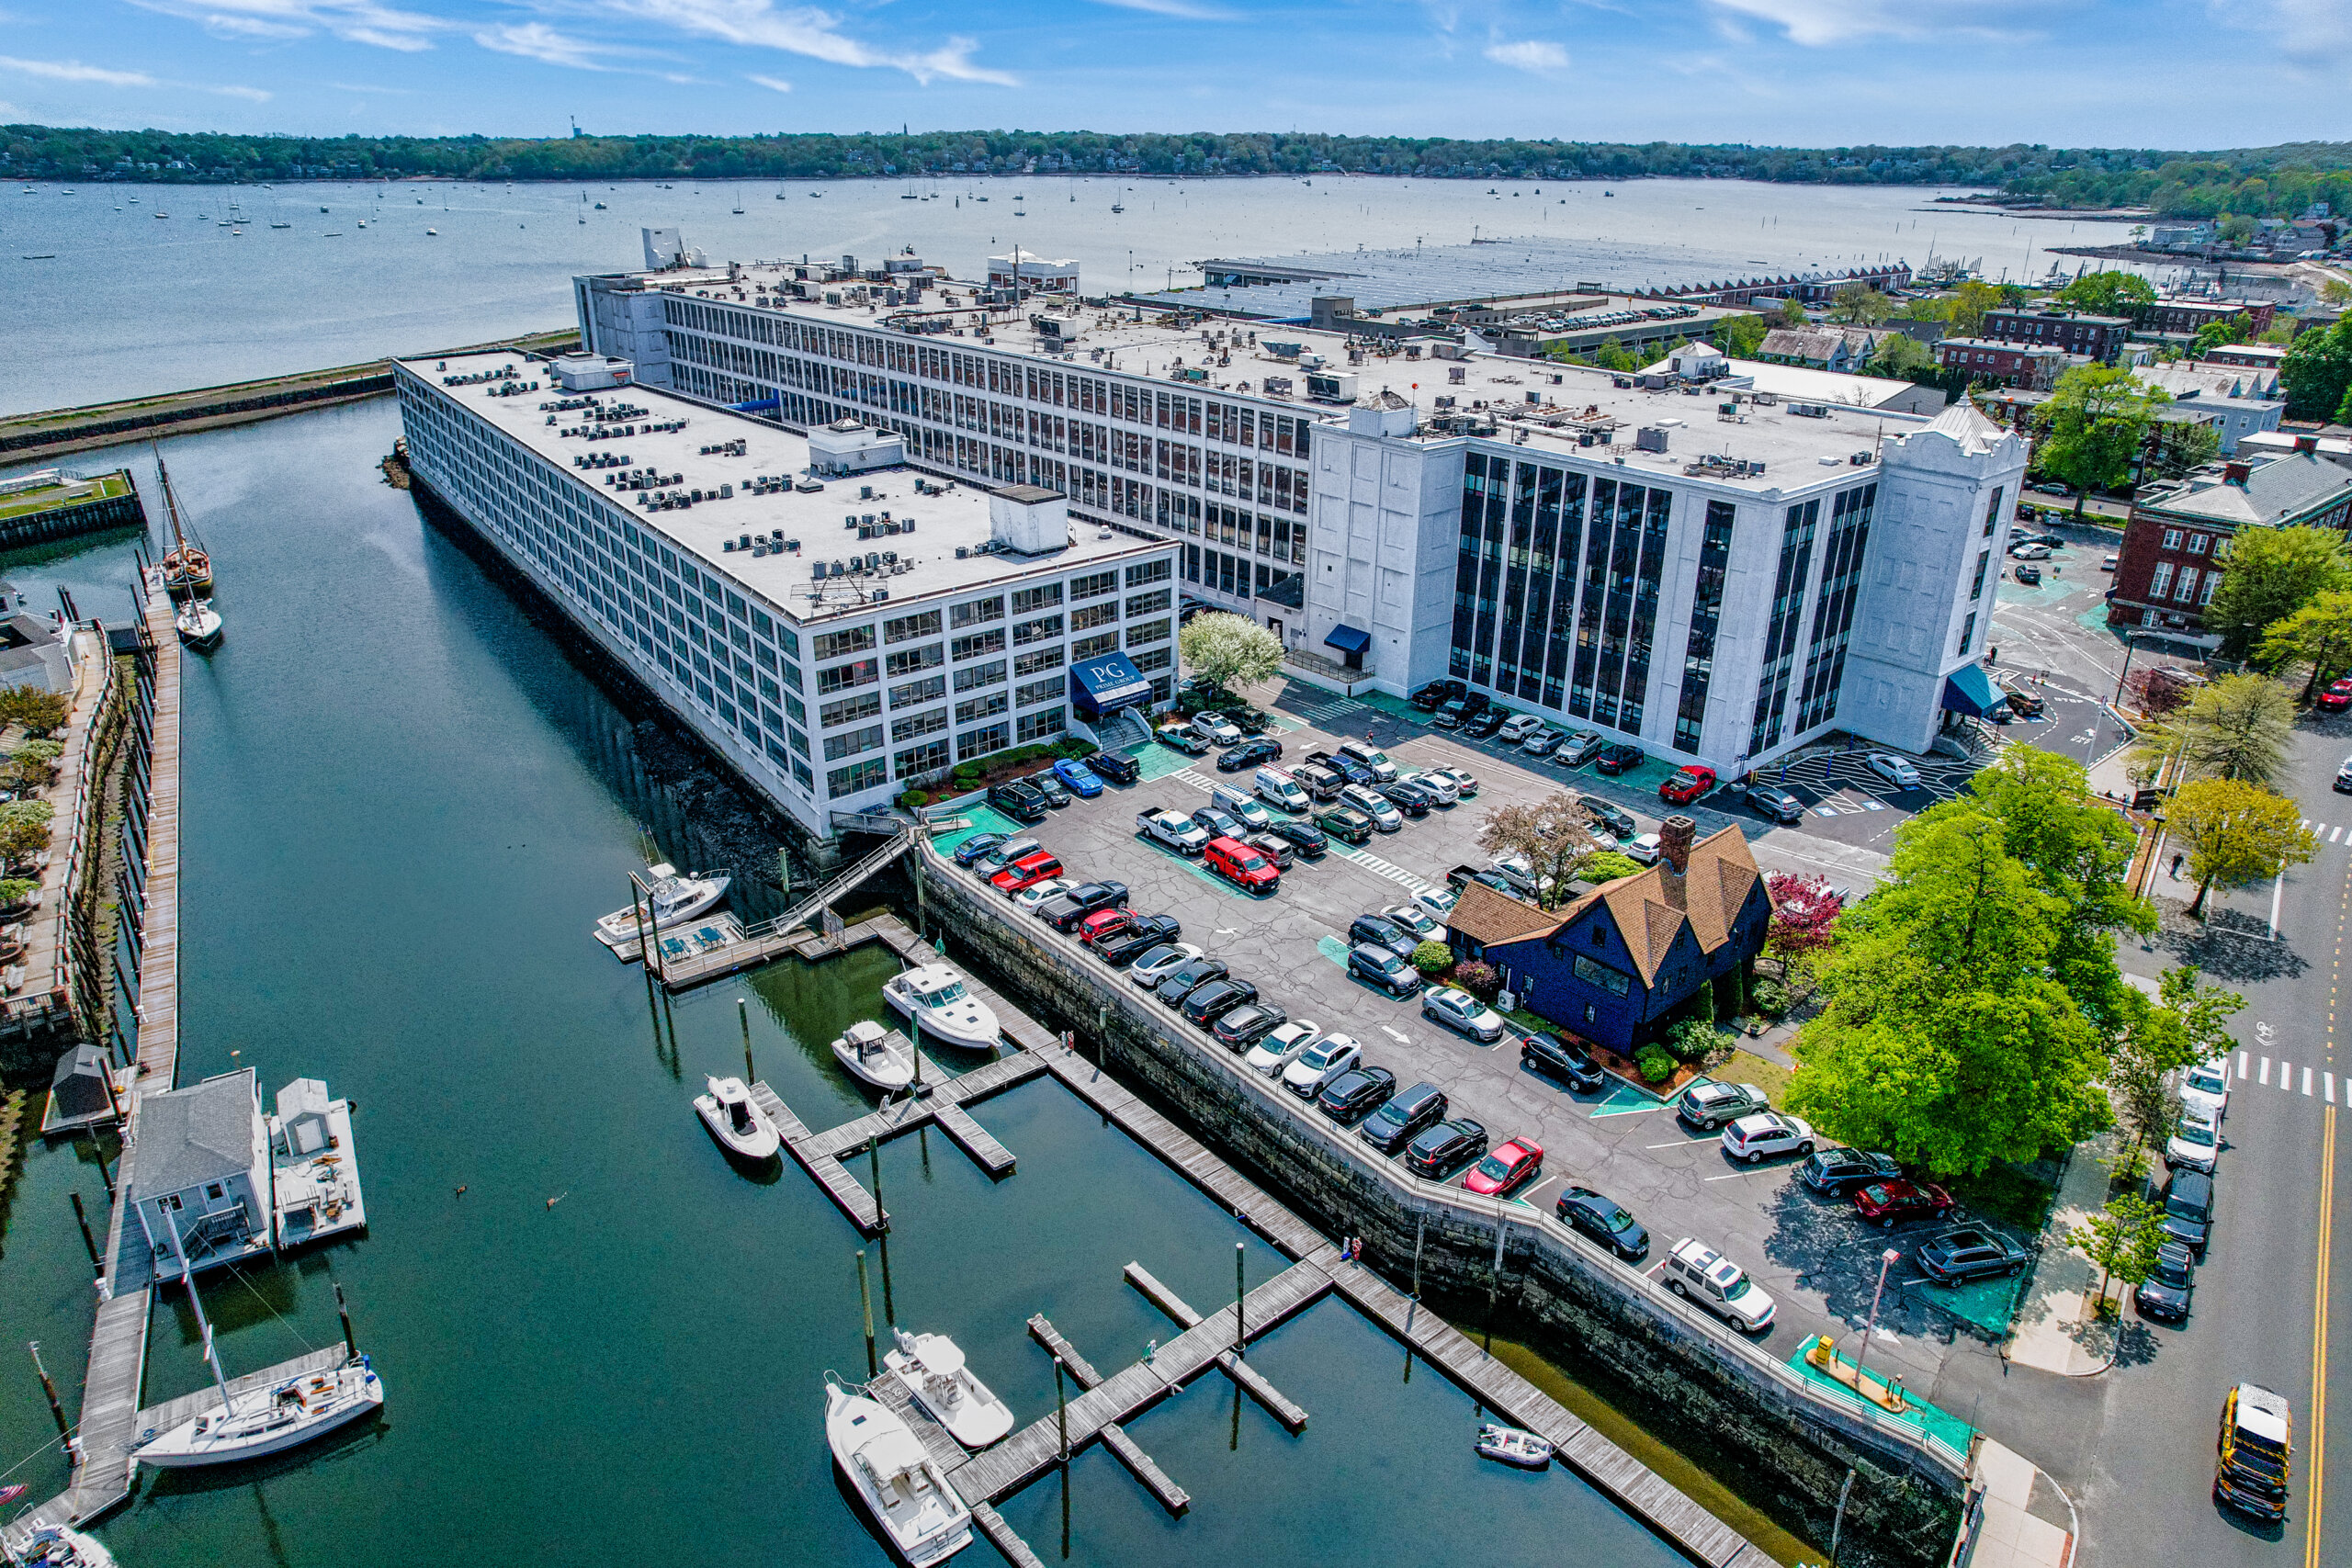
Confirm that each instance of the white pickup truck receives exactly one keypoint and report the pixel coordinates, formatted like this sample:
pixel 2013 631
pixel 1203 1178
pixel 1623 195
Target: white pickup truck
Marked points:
pixel 1171 829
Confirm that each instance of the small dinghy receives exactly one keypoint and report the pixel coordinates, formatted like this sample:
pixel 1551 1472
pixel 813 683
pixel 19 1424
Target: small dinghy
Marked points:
pixel 735 1122
pixel 876 1056
pixel 59 1546
pixel 900 1487
pixel 199 625
pixel 936 999
pixel 932 1366
pixel 1512 1445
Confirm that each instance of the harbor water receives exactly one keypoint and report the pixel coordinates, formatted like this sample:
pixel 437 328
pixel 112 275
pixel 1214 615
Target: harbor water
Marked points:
pixel 234 283
pixel 403 807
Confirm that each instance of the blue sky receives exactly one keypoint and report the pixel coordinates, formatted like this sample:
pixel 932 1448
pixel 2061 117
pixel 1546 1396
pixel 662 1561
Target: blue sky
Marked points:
pixel 2109 73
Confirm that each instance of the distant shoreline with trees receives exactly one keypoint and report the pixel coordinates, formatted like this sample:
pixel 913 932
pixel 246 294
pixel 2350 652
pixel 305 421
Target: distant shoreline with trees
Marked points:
pixel 2255 181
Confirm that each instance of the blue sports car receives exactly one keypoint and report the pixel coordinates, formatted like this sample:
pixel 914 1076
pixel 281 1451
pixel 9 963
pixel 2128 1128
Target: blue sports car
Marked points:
pixel 1079 777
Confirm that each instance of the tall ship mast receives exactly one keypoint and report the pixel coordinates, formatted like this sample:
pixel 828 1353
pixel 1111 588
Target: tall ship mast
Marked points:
pixel 187 568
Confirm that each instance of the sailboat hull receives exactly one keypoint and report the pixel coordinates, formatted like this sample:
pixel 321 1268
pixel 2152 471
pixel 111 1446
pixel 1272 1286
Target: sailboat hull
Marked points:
pixel 261 1426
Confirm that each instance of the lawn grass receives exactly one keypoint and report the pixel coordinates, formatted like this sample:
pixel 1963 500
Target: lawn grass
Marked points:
pixel 1743 1067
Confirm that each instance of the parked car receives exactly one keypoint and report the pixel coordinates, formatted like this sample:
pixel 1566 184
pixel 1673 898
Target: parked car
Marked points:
pixel 1046 783
pixel 1079 778
pixel 2029 551
pixel 1506 1169
pixel 1205 1004
pixel 2026 573
pixel 1304 837
pixel 1355 1094
pixel 2195 1144
pixel 1836 1173
pixel 1281 1046
pixel 2255 1451
pixel 1438 1151
pixel 1618 757
pixel 1116 766
pixel 1462 1012
pixel 1182 737
pixel 1069 908
pixel 1103 924
pixel 1897 770
pixel 1241 865
pixel 1023 874
pixel 1156 963
pixel 1604 1220
pixel 2164 1294
pixel 1215 728
pixel 1698 1272
pixel 1580 747
pixel 1404 1118
pixel 1464 785
pixel 1542 743
pixel 1517 728
pixel 1366 754
pixel 1889 1203
pixel 1612 820
pixel 1437 784
pixel 995 859
pixel 1768 1133
pixel 978 845
pixel 1188 977
pixel 1645 847
pixel 1273 846
pixel 1437 902
pixel 1240 1027
pixel 2189 1210
pixel 1319 782
pixel 1377 930
pixel 1381 967
pixel 1350 826
pixel 1281 791
pixel 1406 798
pixel 1350 771
pixel 1968 1252
pixel 1018 800
pixel 1037 895
pixel 1321 1063
pixel 1456 711
pixel 1243 809
pixel 2337 698
pixel 1218 823
pixel 1416 920
pixel 1690 782
pixel 2024 703
pixel 1142 933
pixel 1436 693
pixel 1485 722
pixel 2205 1089
pixel 1772 802
pixel 1562 1059
pixel 1250 754
pixel 2344 777
pixel 1173 830
pixel 1708 1105
pixel 1385 816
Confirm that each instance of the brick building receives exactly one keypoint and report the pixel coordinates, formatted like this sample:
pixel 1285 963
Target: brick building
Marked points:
pixel 2033 367
pixel 2169 564
pixel 2191 316
pixel 2097 337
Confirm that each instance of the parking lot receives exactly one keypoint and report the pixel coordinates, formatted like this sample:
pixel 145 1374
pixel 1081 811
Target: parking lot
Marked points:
pixel 1811 1254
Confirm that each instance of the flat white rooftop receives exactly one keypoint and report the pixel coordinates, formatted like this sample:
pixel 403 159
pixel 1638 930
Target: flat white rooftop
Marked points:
pixel 947 514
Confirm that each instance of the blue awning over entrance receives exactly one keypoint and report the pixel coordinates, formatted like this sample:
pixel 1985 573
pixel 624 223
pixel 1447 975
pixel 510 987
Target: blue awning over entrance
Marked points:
pixel 1347 639
pixel 1969 690
pixel 1104 685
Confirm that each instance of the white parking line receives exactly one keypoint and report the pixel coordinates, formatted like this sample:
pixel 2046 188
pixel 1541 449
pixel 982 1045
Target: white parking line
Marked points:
pixel 1735 1175
pixel 1682 1143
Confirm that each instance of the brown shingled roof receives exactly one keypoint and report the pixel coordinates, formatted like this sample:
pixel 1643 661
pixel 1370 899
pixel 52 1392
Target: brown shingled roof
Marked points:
pixel 1490 917
pixel 1721 872
pixel 1643 917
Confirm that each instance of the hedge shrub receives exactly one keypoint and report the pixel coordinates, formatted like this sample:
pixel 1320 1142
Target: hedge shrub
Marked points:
pixel 1433 958
pixel 1655 1062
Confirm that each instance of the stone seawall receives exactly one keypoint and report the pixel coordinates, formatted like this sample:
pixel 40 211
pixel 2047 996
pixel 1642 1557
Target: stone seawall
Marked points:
pixel 1720 1402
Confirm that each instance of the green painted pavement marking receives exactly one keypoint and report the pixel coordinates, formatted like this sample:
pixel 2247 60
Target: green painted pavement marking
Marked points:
pixel 1988 1304
pixel 1623 1100
pixel 1332 948
pixel 1158 761
pixel 1921 1416
pixel 982 819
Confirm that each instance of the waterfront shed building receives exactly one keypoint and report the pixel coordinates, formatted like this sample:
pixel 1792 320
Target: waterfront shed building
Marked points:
pixel 1619 965
pixel 199 1177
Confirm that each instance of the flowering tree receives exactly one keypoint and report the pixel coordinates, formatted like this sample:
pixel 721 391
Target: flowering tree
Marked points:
pixel 1803 908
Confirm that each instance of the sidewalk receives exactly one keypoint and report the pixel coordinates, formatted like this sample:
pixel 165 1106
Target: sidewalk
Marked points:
pixel 2018 1518
pixel 2049 1333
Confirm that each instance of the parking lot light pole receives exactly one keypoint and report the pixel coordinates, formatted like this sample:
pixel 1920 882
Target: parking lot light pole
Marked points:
pixel 1885 1261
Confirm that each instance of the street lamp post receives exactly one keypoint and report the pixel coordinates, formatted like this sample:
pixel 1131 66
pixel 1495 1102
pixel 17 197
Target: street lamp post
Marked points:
pixel 1886 1261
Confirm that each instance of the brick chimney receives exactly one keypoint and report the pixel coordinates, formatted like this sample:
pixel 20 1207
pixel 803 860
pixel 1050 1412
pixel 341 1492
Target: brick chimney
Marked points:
pixel 1674 836
pixel 2236 473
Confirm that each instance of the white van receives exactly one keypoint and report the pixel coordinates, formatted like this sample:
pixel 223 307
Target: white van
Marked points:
pixel 1279 790
pixel 1232 801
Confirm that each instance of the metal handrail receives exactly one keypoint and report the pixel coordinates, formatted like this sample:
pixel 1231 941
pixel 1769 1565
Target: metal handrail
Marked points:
pixel 799 913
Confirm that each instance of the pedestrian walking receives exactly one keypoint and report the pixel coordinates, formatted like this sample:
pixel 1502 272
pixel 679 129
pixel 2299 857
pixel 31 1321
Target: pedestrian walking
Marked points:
pixel 2176 860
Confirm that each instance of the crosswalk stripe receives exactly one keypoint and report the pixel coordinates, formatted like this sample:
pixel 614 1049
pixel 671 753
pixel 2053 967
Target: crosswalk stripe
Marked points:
pixel 2242 1058
pixel 2307 1083
pixel 2337 835
pixel 2307 822
pixel 2286 1076
pixel 2265 1078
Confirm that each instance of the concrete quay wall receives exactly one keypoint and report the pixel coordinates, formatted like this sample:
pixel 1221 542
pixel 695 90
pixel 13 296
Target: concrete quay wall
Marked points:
pixel 1717 1399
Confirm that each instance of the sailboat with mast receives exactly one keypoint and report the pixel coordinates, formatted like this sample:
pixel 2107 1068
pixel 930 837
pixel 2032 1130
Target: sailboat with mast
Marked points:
pixel 255 1422
pixel 187 566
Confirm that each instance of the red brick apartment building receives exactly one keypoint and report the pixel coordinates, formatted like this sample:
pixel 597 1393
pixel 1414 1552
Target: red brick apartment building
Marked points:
pixel 2190 316
pixel 2099 337
pixel 2169 565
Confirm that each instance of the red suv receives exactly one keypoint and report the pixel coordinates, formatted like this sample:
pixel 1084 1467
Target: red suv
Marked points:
pixel 1023 874
pixel 1238 863
pixel 1693 780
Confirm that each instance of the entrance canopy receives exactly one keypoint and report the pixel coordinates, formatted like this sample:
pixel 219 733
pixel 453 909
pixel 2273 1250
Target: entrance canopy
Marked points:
pixel 1347 639
pixel 1099 687
pixel 1969 690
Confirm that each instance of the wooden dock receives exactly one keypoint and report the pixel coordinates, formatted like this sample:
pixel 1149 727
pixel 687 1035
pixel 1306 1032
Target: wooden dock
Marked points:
pixel 742 947
pixel 1141 1465
pixel 1253 1381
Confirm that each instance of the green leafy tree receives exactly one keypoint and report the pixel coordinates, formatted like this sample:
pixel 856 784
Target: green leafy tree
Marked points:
pixel 2218 334
pixel 2236 228
pixel 21 841
pixel 2334 291
pixel 1860 305
pixel 2236 834
pixel 2177 446
pixel 2318 634
pixel 2268 574
pixel 1969 303
pixel 2121 1239
pixel 1614 356
pixel 1946 1037
pixel 2317 371
pixel 1227 651
pixel 2238 727
pixel 1900 356
pixel 1739 336
pixel 1553 835
pixel 1791 313
pixel 1608 866
pixel 2109 293
pixel 2093 427
pixel 39 712
pixel 2184 1025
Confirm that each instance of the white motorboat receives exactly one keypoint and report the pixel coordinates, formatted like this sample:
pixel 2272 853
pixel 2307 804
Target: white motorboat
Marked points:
pixel 673 900
pixel 59 1546
pixel 932 1366
pixel 735 1122
pixel 922 1517
pixel 876 1056
pixel 1512 1445
pixel 935 998
pixel 199 625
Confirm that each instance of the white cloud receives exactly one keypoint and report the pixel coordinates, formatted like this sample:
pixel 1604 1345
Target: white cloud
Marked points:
pixel 251 95
pixel 808 31
pixel 537 40
pixel 75 71
pixel 1186 9
pixel 773 84
pixel 354 21
pixel 2302 30
pixel 1529 54
pixel 1819 23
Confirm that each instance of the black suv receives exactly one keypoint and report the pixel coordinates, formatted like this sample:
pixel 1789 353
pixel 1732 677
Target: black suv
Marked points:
pixel 1562 1059
pixel 1056 793
pixel 1834 1173
pixel 1615 758
pixel 1064 910
pixel 2165 1293
pixel 1436 693
pixel 1018 800
pixel 1968 1252
pixel 1401 1121
pixel 1186 978
pixel 1485 722
pixel 1240 1028
pixel 1146 932
pixel 1206 1004
pixel 1378 931
pixel 1300 835
pixel 1604 1220
pixel 1408 798
pixel 1250 754
pixel 1116 766
pixel 1355 1094
pixel 1442 1149
pixel 2189 1210
pixel 1615 820
pixel 1456 710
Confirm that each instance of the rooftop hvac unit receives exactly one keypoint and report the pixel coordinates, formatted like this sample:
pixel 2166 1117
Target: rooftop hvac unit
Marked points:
pixel 819 571
pixel 849 520
pixel 880 594
pixel 865 530
pixel 889 558
pixel 872 560
pixel 833 569
pixel 962 553
pixel 1650 438
pixel 743 542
